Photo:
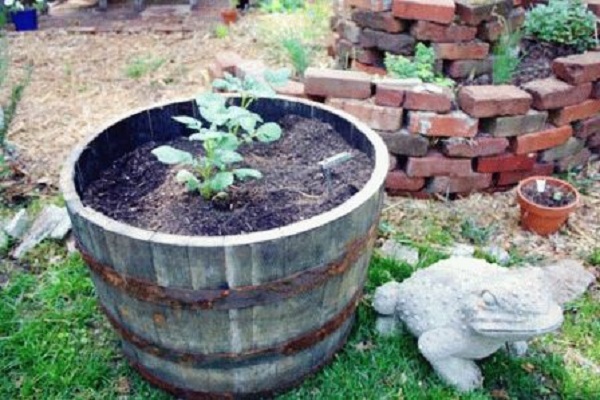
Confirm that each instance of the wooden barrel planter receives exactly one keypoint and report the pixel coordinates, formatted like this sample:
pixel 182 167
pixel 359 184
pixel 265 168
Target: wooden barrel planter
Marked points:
pixel 236 316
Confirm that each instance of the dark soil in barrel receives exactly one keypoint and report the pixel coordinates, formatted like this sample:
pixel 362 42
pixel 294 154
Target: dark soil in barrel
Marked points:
pixel 552 196
pixel 139 190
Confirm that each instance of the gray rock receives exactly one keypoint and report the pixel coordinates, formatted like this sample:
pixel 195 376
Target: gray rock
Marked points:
pixel 462 250
pixel 51 218
pixel 497 253
pixel 464 309
pixel 18 225
pixel 393 249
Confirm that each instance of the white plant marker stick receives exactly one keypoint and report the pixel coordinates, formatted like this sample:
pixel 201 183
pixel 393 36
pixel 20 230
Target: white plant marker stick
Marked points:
pixel 331 162
pixel 540 185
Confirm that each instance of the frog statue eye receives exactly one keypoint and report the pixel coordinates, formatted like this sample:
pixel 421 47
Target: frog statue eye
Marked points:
pixel 489 299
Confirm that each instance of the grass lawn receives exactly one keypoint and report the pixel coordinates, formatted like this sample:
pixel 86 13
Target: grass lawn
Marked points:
pixel 55 344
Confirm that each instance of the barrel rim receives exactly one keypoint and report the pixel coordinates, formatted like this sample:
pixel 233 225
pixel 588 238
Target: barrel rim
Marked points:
pixel 371 188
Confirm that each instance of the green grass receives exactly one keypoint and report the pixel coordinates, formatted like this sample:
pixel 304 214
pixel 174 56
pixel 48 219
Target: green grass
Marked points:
pixel 141 66
pixel 54 344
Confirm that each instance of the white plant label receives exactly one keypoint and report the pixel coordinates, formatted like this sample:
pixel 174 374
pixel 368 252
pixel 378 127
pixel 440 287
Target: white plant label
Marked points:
pixel 541 185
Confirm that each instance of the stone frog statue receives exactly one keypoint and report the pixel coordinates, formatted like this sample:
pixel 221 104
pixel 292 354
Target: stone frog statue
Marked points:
pixel 464 309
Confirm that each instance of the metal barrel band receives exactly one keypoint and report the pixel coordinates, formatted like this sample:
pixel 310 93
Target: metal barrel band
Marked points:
pixel 290 347
pixel 232 298
pixel 189 394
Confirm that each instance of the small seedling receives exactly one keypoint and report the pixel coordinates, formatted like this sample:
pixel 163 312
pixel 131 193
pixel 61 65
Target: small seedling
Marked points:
pixel 422 66
pixel 221 31
pixel 228 126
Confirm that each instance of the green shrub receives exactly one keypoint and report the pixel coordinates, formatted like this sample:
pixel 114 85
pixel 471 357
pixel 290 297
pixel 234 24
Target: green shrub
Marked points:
pixel 506 55
pixel 566 22
pixel 298 54
pixel 280 6
pixel 221 31
pixel 422 66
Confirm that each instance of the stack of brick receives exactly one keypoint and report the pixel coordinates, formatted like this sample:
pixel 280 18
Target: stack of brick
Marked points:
pixel 483 138
pixel 461 32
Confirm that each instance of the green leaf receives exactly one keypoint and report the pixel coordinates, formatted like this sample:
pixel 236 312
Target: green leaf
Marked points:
pixel 278 77
pixel 228 142
pixel 245 173
pixel 268 132
pixel 214 115
pixel 171 155
pixel 211 100
pixel 228 156
pixel 192 123
pixel 221 181
pixel 191 182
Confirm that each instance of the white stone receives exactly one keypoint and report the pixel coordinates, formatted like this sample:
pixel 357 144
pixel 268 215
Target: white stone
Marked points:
pixel 395 250
pixel 497 253
pixel 49 219
pixel 462 250
pixel 18 225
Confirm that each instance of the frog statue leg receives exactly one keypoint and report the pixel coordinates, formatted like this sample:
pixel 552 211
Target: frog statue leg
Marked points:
pixel 441 348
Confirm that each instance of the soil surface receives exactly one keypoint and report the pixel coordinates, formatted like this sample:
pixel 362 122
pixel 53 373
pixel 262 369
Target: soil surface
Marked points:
pixel 137 189
pixel 552 196
pixel 536 62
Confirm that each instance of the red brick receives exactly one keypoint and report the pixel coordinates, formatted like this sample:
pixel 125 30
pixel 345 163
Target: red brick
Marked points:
pixel 290 88
pixel 545 139
pixel 478 147
pixel 397 43
pixel 593 141
pixel 431 31
pixel 593 6
pixel 463 184
pixel 493 100
pixel 428 10
pixel 588 127
pixel 454 124
pixel 403 143
pixel 506 162
pixel 461 51
pixel 252 68
pixel 492 30
pixel 399 181
pixel 428 97
pixel 337 83
pixel 475 12
pixel 380 21
pixel 552 93
pixel 596 90
pixel 576 160
pixel 373 5
pixel 368 56
pixel 228 60
pixel 214 71
pixel 393 162
pixel 368 69
pixel 466 68
pixel 377 117
pixel 587 109
pixel 513 177
pixel 579 68
pixel 435 164
pixel 389 95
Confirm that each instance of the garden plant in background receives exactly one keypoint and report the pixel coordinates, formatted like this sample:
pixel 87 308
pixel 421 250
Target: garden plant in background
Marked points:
pixel 280 6
pixel 506 54
pixel 563 22
pixel 229 126
pixel 422 66
pixel 299 54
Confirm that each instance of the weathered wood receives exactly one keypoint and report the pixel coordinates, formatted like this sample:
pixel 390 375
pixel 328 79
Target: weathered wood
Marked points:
pixel 231 316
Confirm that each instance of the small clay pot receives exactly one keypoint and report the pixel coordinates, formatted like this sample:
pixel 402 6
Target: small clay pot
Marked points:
pixel 229 15
pixel 540 219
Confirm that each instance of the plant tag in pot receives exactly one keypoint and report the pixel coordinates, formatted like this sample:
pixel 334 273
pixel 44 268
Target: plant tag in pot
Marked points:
pixel 540 185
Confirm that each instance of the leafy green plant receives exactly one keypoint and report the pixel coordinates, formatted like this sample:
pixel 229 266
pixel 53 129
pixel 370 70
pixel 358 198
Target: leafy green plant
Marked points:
pixel 565 22
pixel 229 126
pixel 141 66
pixel 221 31
pixel 298 54
pixel 281 6
pixel 475 233
pixel 594 257
pixel 422 66
pixel 506 54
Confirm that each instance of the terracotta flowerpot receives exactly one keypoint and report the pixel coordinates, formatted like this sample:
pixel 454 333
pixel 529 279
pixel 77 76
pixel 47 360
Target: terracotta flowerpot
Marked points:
pixel 540 219
pixel 229 16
